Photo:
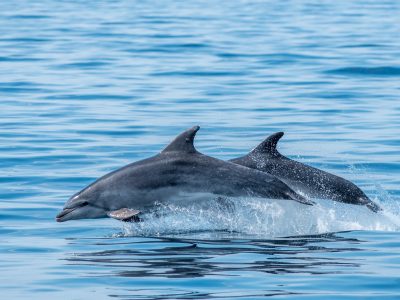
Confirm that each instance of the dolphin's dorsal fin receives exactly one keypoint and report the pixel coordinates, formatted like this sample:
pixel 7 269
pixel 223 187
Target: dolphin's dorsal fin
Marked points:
pixel 268 146
pixel 183 142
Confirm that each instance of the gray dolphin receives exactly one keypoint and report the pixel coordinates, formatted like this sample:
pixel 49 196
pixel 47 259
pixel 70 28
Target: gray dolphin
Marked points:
pixel 179 170
pixel 311 181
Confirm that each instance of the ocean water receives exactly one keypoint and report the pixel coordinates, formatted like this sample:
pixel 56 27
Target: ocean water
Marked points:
pixel 89 86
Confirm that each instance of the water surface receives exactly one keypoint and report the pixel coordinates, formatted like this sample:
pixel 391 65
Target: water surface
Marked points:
pixel 87 87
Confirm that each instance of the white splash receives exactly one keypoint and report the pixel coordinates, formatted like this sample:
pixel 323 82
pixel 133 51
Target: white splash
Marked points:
pixel 263 218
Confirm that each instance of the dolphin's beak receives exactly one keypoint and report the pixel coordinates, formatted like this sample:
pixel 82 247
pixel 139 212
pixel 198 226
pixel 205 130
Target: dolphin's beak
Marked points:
pixel 80 210
pixel 61 217
pixel 65 214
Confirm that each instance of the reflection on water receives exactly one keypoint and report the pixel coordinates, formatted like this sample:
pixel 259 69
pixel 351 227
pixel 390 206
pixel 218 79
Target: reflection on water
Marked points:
pixel 206 264
pixel 187 258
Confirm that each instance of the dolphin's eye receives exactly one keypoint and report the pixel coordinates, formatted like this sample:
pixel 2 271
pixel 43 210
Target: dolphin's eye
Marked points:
pixel 84 203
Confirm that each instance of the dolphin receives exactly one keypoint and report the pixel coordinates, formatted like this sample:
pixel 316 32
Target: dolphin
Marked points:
pixel 313 182
pixel 179 171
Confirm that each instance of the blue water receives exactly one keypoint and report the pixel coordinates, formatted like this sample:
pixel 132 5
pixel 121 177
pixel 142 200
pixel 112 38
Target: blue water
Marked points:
pixel 89 86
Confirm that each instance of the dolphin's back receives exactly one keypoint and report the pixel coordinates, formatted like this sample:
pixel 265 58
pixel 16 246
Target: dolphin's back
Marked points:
pixel 169 174
pixel 312 181
pixel 234 180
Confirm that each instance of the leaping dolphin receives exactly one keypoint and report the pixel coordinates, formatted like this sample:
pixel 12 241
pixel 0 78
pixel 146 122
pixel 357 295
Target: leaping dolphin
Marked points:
pixel 303 178
pixel 179 170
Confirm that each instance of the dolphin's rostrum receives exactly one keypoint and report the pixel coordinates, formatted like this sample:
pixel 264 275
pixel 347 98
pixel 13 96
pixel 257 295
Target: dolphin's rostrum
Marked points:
pixel 309 180
pixel 178 170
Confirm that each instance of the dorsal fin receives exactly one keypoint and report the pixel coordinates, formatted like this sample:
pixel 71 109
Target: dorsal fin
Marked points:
pixel 268 146
pixel 183 142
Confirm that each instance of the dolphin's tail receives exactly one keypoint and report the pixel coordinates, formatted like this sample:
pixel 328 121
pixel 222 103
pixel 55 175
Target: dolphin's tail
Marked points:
pixel 283 191
pixel 370 204
pixel 299 198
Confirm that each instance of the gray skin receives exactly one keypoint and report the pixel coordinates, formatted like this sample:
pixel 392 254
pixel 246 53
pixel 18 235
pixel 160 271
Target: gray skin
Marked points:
pixel 178 169
pixel 311 181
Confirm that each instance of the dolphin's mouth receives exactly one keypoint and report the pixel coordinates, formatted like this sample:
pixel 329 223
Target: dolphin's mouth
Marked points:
pixel 61 216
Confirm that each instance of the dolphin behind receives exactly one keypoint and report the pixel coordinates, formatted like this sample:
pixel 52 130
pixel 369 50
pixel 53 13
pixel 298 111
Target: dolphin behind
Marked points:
pixel 178 171
pixel 301 177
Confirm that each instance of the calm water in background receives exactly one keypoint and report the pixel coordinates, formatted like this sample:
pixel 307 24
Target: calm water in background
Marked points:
pixel 87 87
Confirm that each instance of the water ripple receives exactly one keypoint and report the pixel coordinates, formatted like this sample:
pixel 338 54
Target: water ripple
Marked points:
pixel 87 87
pixel 367 71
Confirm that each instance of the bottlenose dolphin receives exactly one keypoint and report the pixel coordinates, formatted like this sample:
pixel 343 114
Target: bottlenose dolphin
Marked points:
pixel 303 178
pixel 178 171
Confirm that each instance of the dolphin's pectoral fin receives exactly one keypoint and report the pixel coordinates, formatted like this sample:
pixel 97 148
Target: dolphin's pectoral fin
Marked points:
pixel 125 214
